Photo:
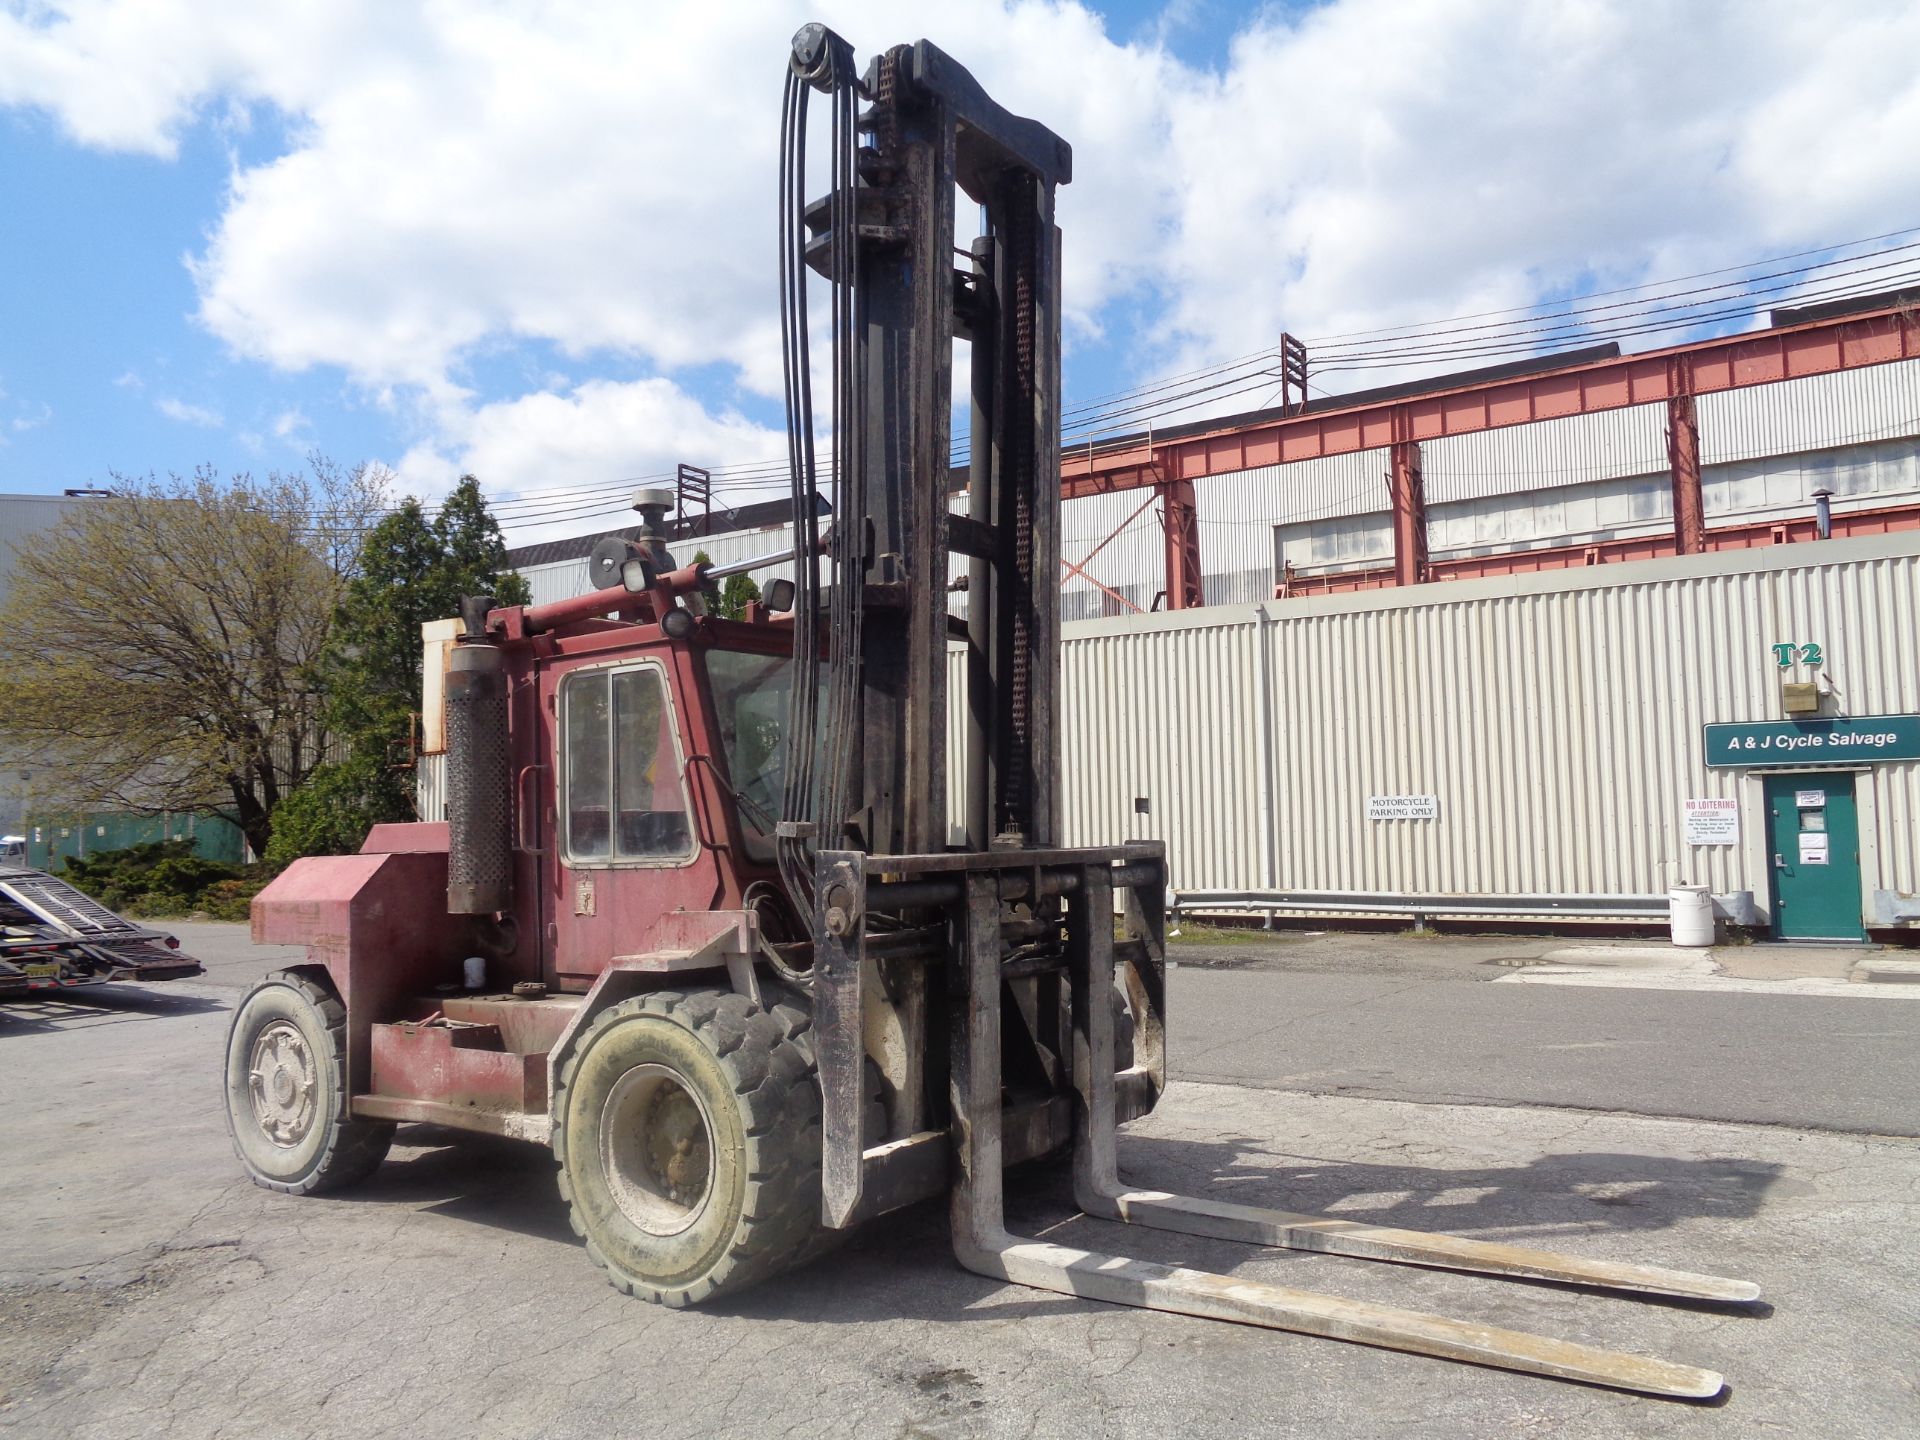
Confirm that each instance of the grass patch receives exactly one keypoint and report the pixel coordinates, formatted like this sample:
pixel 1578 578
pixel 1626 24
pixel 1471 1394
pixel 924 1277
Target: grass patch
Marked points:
pixel 1196 934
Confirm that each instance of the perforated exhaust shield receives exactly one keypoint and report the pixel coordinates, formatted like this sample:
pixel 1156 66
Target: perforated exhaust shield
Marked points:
pixel 479 789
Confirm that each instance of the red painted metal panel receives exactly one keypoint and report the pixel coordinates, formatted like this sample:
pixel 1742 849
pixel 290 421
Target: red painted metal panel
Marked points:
pixel 429 1062
pixel 378 923
pixel 425 837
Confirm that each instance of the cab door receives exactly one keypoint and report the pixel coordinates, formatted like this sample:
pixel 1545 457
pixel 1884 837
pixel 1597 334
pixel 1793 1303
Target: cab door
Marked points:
pixel 626 846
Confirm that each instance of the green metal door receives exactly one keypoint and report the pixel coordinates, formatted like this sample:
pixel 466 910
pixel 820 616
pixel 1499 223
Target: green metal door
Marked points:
pixel 1814 849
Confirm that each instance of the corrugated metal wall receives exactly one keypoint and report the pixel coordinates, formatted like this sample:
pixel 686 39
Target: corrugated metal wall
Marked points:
pixel 1816 412
pixel 1131 562
pixel 1557 717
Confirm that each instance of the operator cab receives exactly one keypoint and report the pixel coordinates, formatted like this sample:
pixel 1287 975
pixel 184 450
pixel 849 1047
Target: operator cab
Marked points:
pixel 669 763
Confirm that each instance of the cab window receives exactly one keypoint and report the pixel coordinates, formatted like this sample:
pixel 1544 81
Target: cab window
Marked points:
pixel 624 798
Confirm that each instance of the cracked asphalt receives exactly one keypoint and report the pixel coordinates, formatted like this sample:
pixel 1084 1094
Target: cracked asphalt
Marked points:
pixel 147 1289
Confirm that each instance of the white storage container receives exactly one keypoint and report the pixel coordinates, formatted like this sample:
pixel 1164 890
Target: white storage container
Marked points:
pixel 1690 914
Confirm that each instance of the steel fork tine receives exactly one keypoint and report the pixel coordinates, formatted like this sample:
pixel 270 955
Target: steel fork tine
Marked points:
pixel 1099 1190
pixel 982 1244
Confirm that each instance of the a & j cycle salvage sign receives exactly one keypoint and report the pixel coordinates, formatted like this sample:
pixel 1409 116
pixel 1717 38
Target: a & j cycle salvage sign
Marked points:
pixel 1853 740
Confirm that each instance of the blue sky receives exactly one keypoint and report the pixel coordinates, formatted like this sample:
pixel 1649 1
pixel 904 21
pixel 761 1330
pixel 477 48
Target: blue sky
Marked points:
pixel 436 239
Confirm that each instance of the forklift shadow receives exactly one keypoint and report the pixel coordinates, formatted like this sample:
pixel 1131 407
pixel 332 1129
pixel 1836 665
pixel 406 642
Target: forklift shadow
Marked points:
pixel 93 1006
pixel 504 1184
pixel 901 1266
pixel 1573 1193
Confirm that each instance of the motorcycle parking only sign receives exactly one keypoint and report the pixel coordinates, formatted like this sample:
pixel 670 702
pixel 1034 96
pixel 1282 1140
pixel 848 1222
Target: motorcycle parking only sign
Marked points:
pixel 1403 807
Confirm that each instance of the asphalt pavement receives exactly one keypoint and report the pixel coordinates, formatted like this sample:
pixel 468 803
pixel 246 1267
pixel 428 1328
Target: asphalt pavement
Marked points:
pixel 146 1288
pixel 1434 1035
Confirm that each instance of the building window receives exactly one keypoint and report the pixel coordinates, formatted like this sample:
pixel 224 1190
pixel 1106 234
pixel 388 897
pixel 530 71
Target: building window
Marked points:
pixel 625 800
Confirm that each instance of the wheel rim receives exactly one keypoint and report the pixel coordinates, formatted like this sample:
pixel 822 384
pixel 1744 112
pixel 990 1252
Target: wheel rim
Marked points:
pixel 656 1147
pixel 283 1084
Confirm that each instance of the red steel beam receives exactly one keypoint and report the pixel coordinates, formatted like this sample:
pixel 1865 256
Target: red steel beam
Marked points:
pixel 1683 462
pixel 1407 489
pixel 1180 517
pixel 1818 347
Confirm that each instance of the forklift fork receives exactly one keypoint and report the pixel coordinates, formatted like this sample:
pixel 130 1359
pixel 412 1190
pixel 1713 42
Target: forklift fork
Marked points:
pixel 983 1244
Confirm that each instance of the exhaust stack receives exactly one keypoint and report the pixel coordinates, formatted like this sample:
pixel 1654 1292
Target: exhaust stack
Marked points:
pixel 479 790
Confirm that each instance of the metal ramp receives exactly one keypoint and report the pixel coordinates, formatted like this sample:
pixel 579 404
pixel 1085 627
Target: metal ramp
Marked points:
pixel 53 935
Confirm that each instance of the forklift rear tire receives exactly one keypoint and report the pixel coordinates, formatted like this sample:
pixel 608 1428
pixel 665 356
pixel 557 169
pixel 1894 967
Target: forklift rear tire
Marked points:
pixel 687 1126
pixel 287 1090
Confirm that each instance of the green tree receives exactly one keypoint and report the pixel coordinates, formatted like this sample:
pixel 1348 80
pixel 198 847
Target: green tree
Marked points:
pixel 158 648
pixel 729 601
pixel 411 569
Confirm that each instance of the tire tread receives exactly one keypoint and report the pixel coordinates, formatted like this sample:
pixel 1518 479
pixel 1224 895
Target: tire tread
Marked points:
pixel 767 1056
pixel 353 1148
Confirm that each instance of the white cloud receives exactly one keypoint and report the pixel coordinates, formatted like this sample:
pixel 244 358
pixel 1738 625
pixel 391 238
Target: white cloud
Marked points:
pixel 583 441
pixel 466 179
pixel 291 424
pixel 187 414
pixel 1419 159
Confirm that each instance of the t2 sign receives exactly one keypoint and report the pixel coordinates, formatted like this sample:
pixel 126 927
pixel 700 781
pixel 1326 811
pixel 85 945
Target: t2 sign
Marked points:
pixel 1787 654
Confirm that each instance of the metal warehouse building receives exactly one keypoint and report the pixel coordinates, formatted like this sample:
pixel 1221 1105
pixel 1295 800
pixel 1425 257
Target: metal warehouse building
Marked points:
pixel 1543 640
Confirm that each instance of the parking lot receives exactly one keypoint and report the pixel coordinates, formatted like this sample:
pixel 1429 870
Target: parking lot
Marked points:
pixel 146 1288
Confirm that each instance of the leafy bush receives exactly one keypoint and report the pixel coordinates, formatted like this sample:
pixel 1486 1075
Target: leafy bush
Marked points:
pixel 332 812
pixel 165 878
pixel 233 899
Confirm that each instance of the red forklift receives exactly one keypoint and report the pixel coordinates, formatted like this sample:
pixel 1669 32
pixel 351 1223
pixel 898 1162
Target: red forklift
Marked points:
pixel 699 918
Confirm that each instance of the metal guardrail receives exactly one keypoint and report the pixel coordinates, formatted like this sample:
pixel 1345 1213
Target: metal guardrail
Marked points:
pixel 1360 902
pixel 1736 907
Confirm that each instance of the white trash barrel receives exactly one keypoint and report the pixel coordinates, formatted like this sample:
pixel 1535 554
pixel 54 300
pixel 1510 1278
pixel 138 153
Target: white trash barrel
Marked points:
pixel 1690 914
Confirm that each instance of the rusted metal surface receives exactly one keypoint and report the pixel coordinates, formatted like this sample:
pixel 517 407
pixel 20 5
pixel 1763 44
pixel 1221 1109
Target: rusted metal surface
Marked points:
pixel 1408 495
pixel 838 1016
pixel 1180 518
pixel 527 1027
pixel 509 1124
pixel 1683 460
pixel 464 1065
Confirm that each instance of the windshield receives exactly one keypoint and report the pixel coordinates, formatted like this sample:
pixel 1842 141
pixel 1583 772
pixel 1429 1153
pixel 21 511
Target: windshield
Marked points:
pixel 750 694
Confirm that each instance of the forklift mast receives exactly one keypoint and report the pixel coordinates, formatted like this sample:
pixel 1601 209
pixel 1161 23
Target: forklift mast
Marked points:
pixel 884 237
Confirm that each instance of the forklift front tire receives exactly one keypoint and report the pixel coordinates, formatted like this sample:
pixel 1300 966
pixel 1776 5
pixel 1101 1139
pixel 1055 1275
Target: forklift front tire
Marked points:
pixel 687 1126
pixel 287 1090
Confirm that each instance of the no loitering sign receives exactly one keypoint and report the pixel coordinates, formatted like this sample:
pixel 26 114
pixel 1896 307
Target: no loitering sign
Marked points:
pixel 1711 822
